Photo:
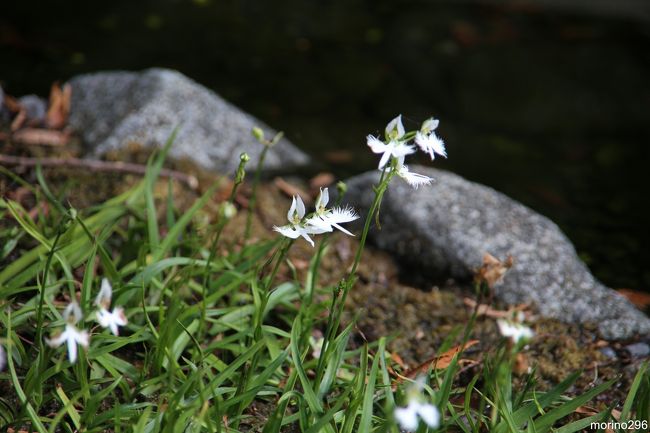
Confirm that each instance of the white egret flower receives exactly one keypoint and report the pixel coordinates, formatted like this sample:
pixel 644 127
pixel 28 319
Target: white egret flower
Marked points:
pixel 71 335
pixel 428 141
pixel 106 318
pixel 395 129
pixel 328 219
pixel 409 417
pixel 398 149
pixel 413 179
pixel 295 228
pixel 515 331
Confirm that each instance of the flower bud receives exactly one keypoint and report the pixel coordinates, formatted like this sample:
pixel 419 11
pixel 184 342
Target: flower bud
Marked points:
pixel 341 187
pixel 227 210
pixel 258 133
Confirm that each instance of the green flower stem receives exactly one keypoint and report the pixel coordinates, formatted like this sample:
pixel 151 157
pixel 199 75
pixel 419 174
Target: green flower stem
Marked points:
pixel 39 314
pixel 253 199
pixel 338 304
pixel 313 280
pixel 239 179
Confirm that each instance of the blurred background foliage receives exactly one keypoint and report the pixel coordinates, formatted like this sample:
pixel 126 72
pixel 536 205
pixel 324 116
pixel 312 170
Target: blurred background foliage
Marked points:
pixel 545 100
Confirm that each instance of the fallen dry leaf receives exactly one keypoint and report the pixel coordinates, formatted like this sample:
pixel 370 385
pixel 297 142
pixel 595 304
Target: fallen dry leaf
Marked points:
pixel 19 120
pixel 493 269
pixel 640 299
pixel 439 362
pixel 398 360
pixel 290 190
pixel 521 364
pixel 57 113
pixel 12 104
pixel 339 156
pixel 486 310
pixel 321 180
pixel 586 410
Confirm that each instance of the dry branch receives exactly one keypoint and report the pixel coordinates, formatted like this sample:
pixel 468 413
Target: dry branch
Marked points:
pixel 97 165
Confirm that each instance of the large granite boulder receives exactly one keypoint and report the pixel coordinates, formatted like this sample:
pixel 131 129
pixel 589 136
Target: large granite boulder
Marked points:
pixel 111 109
pixel 446 228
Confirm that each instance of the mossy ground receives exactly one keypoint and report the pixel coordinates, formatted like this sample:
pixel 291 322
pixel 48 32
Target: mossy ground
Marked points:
pixel 417 319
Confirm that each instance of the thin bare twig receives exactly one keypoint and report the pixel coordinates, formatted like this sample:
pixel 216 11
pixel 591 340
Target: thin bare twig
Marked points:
pixel 94 164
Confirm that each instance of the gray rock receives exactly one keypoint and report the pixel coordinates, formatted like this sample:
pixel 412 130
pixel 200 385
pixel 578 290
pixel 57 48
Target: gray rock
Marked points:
pixel 111 109
pixel 608 352
pixel 35 107
pixel 638 350
pixel 446 228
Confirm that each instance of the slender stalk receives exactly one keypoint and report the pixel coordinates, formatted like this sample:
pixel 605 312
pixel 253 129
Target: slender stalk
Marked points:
pixel 253 199
pixel 384 180
pixel 39 313
pixel 338 304
pixel 239 179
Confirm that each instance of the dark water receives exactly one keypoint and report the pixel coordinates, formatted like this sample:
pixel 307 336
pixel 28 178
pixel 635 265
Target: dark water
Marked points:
pixel 551 106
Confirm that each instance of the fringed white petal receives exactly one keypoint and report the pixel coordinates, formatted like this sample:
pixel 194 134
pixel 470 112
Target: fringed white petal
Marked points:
pixel 414 179
pixel 375 144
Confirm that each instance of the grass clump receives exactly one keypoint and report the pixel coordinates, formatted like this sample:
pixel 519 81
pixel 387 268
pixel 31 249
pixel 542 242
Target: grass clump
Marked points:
pixel 230 332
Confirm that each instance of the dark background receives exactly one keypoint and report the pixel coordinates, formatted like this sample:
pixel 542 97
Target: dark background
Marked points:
pixel 546 100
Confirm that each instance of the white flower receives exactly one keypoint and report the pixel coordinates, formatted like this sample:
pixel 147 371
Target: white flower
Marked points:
pixel 430 144
pixel 106 318
pixel 398 149
pixel 295 229
pixel 428 141
pixel 71 335
pixel 395 129
pixel 408 417
pixel 316 344
pixel 328 219
pixel 413 179
pixel 515 331
pixel 112 320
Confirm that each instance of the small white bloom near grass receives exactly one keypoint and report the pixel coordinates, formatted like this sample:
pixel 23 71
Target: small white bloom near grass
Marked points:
pixel 105 317
pixel 330 219
pixel 515 331
pixel 296 228
pixel 71 335
pixel 322 221
pixel 417 408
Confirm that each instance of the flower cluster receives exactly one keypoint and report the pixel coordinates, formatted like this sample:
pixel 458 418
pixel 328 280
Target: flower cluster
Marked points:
pixel 396 145
pixel 73 336
pixel 321 221
pixel 409 416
